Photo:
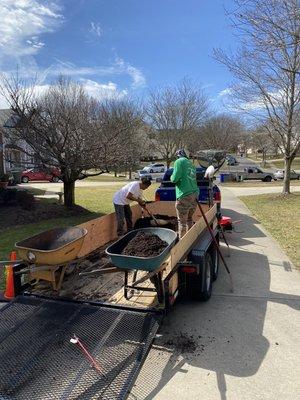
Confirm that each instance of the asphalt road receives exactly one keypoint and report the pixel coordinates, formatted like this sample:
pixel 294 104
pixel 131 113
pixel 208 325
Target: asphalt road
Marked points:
pixel 243 162
pixel 244 345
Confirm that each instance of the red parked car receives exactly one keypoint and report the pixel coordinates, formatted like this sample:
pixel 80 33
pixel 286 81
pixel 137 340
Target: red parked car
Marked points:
pixel 38 174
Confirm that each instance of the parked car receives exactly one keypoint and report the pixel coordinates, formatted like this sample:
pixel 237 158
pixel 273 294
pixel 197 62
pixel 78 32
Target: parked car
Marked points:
pixel 231 160
pixel 157 167
pixel 207 189
pixel 142 174
pixel 251 173
pixel 279 174
pixel 39 174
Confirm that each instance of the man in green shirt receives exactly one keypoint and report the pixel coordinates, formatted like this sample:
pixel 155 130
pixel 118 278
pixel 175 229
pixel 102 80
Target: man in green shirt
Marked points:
pixel 184 177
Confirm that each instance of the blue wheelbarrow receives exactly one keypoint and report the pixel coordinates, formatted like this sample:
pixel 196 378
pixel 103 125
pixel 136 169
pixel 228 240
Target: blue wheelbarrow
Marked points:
pixel 149 264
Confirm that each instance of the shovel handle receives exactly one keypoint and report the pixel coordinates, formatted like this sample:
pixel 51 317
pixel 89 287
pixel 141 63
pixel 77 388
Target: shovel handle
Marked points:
pixel 151 215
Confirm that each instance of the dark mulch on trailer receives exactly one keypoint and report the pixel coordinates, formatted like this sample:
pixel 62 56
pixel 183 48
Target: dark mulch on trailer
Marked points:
pixel 145 245
pixel 148 222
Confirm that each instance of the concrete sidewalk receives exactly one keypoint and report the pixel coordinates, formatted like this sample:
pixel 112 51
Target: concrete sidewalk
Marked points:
pixel 247 344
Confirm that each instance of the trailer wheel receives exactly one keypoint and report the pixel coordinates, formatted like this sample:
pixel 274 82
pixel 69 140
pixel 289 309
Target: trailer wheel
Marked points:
pixel 199 287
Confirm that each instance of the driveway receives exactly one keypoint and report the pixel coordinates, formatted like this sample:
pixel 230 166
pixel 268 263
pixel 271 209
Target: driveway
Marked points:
pixel 243 345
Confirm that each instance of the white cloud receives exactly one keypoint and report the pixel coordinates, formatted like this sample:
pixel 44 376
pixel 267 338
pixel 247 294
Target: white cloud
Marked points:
pixel 136 75
pixel 119 67
pixel 96 29
pixel 95 89
pixel 22 21
pixel 102 90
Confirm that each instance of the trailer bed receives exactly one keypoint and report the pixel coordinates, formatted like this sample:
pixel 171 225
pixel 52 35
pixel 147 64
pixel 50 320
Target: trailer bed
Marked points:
pixel 39 362
pixel 109 288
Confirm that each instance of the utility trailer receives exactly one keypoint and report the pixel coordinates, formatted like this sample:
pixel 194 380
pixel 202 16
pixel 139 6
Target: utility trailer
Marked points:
pixel 39 356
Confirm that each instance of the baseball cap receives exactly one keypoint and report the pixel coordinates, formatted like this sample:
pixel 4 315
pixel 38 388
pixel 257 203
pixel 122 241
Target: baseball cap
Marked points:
pixel 181 153
pixel 146 181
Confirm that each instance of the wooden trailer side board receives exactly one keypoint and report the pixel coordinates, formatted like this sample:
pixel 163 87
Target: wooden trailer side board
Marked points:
pixel 103 230
pixel 180 250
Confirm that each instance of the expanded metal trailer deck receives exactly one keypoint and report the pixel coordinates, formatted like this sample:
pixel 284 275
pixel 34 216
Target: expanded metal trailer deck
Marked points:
pixel 38 361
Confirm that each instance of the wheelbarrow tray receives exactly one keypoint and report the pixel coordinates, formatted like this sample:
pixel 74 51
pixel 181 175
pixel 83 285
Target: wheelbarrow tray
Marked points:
pixel 53 247
pixel 141 263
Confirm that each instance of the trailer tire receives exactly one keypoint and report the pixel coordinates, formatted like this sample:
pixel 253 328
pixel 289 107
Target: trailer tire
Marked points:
pixel 199 287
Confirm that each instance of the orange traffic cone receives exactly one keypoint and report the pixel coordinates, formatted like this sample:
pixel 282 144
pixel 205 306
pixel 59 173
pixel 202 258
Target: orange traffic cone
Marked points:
pixel 10 286
pixel 13 256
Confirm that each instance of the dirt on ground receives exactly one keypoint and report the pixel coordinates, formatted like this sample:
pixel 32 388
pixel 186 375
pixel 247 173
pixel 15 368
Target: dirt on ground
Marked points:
pixel 14 215
pixel 181 343
pixel 145 245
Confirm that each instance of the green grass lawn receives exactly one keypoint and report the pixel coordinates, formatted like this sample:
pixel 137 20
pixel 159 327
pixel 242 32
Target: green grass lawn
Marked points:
pixel 281 217
pixel 106 178
pixel 97 200
pixel 280 163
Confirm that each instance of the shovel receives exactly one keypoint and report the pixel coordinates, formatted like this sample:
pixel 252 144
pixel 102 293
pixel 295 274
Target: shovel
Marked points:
pixel 158 222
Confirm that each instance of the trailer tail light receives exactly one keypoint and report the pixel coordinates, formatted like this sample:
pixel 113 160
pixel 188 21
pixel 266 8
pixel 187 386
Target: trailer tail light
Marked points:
pixel 217 197
pixel 157 196
pixel 191 269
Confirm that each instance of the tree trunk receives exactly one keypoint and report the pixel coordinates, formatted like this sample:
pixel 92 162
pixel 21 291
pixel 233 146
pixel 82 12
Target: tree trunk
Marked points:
pixel 130 173
pixel 115 173
pixel 168 161
pixel 264 154
pixel 69 194
pixel 286 179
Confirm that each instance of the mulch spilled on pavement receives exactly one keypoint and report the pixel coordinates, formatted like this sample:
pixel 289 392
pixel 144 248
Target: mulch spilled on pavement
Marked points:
pixel 145 245
pixel 182 343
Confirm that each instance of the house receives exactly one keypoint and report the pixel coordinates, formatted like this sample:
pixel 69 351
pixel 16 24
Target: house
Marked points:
pixel 12 151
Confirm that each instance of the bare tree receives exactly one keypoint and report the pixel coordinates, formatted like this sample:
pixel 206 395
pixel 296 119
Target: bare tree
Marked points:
pixel 222 132
pixel 266 68
pixel 66 128
pixel 174 113
pixel 262 142
pixel 132 143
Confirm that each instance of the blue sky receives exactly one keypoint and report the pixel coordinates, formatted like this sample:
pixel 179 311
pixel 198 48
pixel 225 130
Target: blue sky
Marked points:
pixel 117 46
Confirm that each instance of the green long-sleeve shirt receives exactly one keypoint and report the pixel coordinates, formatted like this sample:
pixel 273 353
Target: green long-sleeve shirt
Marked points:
pixel 184 177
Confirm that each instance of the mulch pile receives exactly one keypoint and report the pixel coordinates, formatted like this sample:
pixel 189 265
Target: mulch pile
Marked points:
pixel 147 222
pixel 145 245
